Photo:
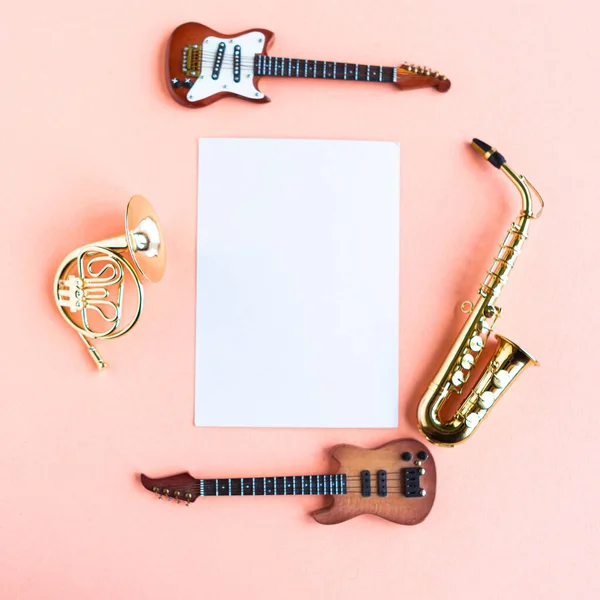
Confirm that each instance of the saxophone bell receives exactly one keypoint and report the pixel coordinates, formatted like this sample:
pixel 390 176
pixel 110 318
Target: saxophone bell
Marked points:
pixel 509 359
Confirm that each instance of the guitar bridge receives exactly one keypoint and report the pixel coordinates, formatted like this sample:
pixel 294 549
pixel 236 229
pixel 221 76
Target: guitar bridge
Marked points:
pixel 190 62
pixel 411 479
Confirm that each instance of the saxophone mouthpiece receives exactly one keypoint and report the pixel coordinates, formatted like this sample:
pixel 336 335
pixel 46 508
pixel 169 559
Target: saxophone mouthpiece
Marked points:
pixel 490 154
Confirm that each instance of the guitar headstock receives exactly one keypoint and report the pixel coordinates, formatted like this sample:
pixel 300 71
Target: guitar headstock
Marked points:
pixel 182 487
pixel 410 77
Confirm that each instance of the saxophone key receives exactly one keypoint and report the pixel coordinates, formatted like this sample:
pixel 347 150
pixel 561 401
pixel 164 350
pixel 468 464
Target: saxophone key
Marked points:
pixel 501 379
pixel 486 400
pixel 476 343
pixel 467 361
pixel 472 420
pixel 458 378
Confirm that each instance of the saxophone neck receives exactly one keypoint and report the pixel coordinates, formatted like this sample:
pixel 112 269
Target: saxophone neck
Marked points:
pixel 519 181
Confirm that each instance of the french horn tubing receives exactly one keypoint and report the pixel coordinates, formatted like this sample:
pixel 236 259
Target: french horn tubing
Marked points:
pixel 509 359
pixel 90 283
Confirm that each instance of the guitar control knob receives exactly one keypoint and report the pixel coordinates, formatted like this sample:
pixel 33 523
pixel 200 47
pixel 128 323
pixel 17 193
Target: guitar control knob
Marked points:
pixel 467 361
pixel 458 378
pixel 188 83
pixel 501 379
pixel 176 83
pixel 476 343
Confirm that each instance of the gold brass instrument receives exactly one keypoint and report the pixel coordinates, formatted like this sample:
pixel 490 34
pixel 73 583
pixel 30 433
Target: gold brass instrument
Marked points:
pixel 90 283
pixel 509 360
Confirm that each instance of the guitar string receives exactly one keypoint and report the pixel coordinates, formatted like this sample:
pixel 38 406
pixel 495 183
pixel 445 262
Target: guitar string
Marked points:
pixel 351 478
pixel 348 477
pixel 390 492
pixel 252 57
pixel 249 61
pixel 224 481
pixel 281 487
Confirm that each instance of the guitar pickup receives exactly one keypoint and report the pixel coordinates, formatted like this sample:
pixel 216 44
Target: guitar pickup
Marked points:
pixel 365 483
pixel 237 63
pixel 382 483
pixel 218 60
pixel 411 479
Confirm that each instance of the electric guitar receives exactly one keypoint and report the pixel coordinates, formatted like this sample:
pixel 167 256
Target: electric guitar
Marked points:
pixel 395 482
pixel 204 66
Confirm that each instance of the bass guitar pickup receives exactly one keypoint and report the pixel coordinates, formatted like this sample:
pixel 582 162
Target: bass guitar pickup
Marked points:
pixel 411 480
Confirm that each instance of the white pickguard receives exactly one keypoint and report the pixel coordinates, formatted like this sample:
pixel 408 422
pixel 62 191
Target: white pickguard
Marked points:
pixel 205 86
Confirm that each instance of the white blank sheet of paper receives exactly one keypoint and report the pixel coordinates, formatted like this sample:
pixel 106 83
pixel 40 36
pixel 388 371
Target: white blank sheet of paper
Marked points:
pixel 297 283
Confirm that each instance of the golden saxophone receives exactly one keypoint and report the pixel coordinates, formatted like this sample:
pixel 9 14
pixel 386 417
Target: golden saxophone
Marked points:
pixel 509 359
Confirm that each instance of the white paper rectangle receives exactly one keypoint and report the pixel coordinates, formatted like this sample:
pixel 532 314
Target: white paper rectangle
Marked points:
pixel 297 283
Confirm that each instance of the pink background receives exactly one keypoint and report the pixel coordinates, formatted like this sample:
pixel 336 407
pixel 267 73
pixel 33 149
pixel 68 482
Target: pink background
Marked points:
pixel 87 122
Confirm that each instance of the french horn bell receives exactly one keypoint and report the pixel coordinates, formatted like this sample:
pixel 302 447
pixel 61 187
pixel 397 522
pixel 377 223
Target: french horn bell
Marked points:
pixel 90 283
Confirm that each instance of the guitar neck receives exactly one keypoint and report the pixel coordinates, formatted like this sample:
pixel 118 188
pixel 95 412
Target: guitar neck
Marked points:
pixel 295 485
pixel 320 69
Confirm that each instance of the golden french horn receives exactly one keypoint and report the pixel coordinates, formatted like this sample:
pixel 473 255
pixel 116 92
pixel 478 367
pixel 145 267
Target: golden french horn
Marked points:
pixel 509 359
pixel 90 283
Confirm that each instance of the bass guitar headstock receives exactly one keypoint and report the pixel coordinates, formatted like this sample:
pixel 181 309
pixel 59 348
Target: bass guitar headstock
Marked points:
pixel 182 487
pixel 410 77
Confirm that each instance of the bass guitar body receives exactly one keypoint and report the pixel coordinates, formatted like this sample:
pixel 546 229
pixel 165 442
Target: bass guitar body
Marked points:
pixel 204 66
pixel 408 496
pixel 396 482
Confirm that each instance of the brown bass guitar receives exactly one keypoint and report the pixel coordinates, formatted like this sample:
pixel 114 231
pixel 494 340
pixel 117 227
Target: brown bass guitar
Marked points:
pixel 396 482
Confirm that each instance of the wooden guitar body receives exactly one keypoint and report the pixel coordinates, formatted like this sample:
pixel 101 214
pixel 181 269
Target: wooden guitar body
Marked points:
pixel 396 506
pixel 182 42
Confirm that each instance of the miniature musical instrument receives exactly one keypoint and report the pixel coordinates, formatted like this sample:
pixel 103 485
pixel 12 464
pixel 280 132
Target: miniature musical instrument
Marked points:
pixel 204 66
pixel 509 360
pixel 89 286
pixel 395 482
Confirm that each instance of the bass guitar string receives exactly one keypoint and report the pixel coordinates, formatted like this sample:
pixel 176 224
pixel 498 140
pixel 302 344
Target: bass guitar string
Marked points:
pixel 280 487
pixel 348 492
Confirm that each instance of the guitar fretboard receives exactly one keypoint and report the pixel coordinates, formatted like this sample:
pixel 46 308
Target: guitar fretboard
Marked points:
pixel 296 485
pixel 320 69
